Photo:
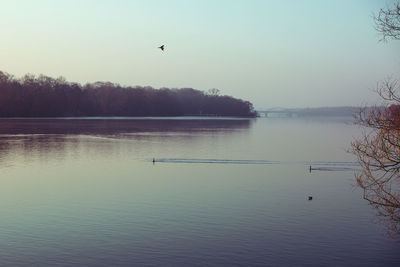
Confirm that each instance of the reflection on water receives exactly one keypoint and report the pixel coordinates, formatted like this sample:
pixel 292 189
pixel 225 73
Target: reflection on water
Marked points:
pixel 109 126
pixel 55 138
pixel 221 192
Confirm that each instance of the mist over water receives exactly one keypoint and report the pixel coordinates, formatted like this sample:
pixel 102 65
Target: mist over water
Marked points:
pixel 220 192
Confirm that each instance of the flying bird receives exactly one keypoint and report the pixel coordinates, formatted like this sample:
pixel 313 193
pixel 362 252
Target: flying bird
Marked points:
pixel 161 47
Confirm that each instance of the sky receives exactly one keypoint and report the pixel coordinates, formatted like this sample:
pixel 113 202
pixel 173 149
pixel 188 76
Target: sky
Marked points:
pixel 273 53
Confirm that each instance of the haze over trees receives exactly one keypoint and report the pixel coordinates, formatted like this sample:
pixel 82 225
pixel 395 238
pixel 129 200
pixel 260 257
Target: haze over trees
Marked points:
pixel 43 96
pixel 378 150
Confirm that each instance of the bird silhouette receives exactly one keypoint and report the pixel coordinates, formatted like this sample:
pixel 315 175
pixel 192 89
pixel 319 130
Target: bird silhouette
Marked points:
pixel 161 47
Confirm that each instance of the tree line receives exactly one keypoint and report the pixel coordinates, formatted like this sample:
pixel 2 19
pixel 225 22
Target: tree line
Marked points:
pixel 43 96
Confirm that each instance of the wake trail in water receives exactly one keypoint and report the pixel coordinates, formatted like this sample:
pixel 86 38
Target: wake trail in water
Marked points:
pixel 315 166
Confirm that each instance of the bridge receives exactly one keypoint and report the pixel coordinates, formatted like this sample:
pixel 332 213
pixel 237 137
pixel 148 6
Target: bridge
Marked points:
pixel 277 112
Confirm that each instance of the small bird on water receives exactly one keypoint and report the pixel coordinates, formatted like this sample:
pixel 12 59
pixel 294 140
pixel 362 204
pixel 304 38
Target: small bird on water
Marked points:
pixel 161 47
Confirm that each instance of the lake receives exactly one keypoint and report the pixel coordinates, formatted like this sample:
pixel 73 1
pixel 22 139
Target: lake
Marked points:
pixel 221 192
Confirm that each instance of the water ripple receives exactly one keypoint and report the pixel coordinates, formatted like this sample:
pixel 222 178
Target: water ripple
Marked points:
pixel 321 165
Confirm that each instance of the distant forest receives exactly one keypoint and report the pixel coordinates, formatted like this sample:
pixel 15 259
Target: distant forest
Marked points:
pixel 340 111
pixel 43 96
pixel 328 111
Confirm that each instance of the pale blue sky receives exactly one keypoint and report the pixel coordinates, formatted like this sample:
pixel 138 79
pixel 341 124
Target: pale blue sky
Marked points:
pixel 273 53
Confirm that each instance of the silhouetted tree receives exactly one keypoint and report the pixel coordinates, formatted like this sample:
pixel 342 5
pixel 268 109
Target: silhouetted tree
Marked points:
pixel 388 22
pixel 214 92
pixel 378 150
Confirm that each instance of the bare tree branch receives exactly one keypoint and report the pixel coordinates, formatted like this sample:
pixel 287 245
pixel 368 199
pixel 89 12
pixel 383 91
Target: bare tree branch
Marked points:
pixel 378 152
pixel 387 22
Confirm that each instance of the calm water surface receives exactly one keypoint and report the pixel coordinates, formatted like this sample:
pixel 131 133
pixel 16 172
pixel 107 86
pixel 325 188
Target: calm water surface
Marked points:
pixel 232 192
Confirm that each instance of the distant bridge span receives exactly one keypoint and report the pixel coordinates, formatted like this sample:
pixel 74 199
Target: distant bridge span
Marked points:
pixel 278 112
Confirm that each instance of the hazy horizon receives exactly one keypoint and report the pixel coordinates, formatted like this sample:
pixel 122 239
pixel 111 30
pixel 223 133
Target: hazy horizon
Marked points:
pixel 271 53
